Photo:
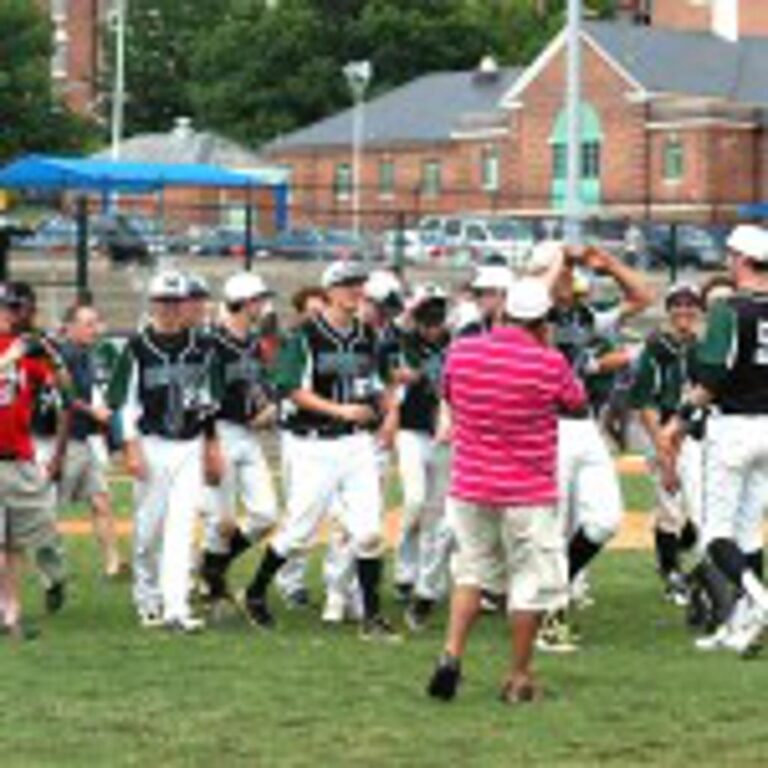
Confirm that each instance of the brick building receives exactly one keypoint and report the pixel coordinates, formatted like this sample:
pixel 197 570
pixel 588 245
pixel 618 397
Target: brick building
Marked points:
pixel 674 123
pixel 78 56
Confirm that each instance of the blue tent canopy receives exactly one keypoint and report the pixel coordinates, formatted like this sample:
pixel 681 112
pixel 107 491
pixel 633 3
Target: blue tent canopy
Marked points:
pixel 754 211
pixel 47 172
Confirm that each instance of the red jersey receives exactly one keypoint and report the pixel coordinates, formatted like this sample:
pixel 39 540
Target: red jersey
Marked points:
pixel 18 384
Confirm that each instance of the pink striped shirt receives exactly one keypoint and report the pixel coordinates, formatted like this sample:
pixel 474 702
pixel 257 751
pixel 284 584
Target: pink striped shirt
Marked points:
pixel 505 389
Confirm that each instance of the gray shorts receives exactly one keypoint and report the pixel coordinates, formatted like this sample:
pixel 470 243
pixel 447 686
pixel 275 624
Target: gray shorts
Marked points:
pixel 82 477
pixel 26 515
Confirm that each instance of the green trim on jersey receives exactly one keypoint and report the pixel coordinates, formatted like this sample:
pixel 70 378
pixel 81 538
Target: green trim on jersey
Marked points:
pixel 718 349
pixel 293 360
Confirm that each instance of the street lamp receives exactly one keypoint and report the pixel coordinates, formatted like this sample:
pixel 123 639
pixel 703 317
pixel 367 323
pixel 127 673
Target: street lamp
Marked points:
pixel 358 74
pixel 117 19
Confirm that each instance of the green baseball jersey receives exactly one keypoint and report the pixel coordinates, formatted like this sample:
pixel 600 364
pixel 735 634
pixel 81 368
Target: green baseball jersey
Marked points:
pixel 421 399
pixel 165 382
pixel 342 365
pixel 663 370
pixel 732 360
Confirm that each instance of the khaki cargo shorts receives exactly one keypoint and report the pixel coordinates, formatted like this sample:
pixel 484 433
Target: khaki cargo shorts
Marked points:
pixel 517 551
pixel 26 514
pixel 82 476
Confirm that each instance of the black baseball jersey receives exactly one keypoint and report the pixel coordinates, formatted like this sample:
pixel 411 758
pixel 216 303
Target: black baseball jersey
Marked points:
pixel 168 380
pixel 420 402
pixel 82 370
pixel 342 365
pixel 733 357
pixel 241 376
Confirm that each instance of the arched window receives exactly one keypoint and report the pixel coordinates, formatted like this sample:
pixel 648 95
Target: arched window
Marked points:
pixel 591 155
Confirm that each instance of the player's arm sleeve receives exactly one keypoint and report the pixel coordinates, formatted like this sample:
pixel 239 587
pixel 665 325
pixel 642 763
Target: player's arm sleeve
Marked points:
pixel 123 393
pixel 292 368
pixel 718 349
pixel 642 392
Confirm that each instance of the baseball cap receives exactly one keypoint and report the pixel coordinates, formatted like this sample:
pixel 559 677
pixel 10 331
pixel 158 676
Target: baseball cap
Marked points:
pixel 197 287
pixel 682 290
pixel 343 273
pixel 243 287
pixel 21 293
pixel 528 299
pixel 170 285
pixel 543 255
pixel 381 286
pixel 749 240
pixel 492 277
pixel 6 296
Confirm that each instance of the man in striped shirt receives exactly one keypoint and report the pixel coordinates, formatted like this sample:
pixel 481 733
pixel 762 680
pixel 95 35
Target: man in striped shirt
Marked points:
pixel 504 391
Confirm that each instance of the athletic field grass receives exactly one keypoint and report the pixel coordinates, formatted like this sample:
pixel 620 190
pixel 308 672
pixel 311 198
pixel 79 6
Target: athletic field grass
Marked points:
pixel 96 690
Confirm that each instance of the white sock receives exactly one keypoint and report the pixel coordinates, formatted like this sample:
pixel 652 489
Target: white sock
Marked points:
pixel 755 589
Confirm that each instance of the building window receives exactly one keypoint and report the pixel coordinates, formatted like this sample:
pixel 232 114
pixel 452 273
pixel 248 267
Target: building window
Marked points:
pixel 60 54
pixel 674 159
pixel 431 178
pixel 590 160
pixel 386 178
pixel 490 169
pixel 559 161
pixel 342 181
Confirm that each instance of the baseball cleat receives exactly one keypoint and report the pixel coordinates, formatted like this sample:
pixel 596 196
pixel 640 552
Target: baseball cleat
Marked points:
pixel 258 613
pixel 556 635
pixel 185 625
pixel 445 679
pixel 378 628
pixel 55 597
pixel 150 619
pixel 713 642
pixel 676 589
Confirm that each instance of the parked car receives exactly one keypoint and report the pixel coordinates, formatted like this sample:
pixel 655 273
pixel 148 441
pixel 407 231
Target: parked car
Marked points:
pixel 55 234
pixel 413 245
pixel 477 239
pixel 697 247
pixel 300 244
pixel 116 236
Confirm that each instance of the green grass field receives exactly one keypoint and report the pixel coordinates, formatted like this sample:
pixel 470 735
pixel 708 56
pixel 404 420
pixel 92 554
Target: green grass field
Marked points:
pixel 96 690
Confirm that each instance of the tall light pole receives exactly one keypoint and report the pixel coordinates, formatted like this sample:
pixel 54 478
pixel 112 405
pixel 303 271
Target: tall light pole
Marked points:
pixel 573 203
pixel 118 18
pixel 358 74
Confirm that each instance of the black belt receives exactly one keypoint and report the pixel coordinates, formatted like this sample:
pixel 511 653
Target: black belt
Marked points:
pixel 325 433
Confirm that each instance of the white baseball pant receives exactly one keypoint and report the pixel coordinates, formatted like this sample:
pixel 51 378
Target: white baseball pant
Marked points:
pixel 735 479
pixel 342 467
pixel 247 478
pixel 165 504
pixel 423 550
pixel 588 485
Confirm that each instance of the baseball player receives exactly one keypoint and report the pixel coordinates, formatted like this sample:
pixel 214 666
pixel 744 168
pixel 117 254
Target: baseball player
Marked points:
pixel 663 371
pixel 245 407
pixel 163 388
pixel 422 554
pixel 591 503
pixel 26 513
pixel 732 364
pixel 331 371
pixel 489 285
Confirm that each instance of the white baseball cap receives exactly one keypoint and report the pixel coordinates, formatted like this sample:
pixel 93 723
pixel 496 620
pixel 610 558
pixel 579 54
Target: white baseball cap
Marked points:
pixel 543 255
pixel 381 285
pixel 492 277
pixel 341 273
pixel 244 286
pixel 427 292
pixel 749 240
pixel 169 285
pixel 528 299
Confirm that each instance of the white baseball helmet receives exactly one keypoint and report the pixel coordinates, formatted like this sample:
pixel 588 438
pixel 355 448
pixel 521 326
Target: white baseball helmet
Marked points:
pixel 244 286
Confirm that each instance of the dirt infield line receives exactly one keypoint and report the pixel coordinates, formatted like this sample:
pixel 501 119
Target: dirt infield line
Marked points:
pixel 635 530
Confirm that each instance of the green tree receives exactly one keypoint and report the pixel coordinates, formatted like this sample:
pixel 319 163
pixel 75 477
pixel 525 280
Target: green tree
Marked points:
pixel 32 118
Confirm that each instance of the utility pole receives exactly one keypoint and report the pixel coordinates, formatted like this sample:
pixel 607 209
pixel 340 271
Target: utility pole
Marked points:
pixel 118 20
pixel 358 75
pixel 573 203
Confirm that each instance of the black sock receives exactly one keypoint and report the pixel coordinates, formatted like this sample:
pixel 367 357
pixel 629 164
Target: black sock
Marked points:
pixel 581 551
pixel 755 562
pixel 688 536
pixel 717 589
pixel 728 559
pixel 667 547
pixel 369 575
pixel 238 544
pixel 271 563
